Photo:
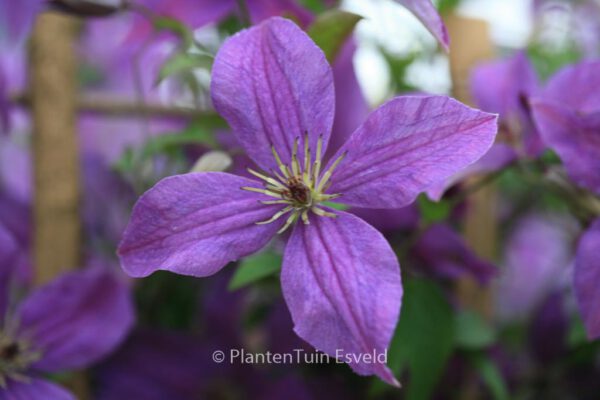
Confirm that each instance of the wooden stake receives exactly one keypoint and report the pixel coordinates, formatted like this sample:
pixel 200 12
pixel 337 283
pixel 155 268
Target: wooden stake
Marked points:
pixel 53 86
pixel 471 44
pixel 52 81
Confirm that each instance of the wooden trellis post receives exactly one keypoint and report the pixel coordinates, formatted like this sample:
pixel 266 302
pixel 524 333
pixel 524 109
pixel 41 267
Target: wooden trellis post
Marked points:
pixel 52 84
pixel 53 89
pixel 471 44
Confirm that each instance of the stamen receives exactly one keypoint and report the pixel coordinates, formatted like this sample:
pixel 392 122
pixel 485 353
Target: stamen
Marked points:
pixel 295 163
pixel 305 217
pixel 270 202
pixel 327 197
pixel 276 174
pixel 281 165
pixel 291 219
pixel 263 191
pixel 317 166
pixel 276 189
pixel 329 172
pixel 306 174
pixel 265 178
pixel 276 216
pixel 323 213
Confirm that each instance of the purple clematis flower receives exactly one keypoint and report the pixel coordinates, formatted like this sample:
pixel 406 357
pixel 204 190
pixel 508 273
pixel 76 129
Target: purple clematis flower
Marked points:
pixel 504 87
pixel 587 278
pixel 537 260
pixel 567 114
pixel 340 278
pixel 443 253
pixel 69 323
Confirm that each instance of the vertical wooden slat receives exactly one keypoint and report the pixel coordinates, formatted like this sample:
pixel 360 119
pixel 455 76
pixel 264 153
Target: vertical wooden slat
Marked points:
pixel 471 44
pixel 53 88
pixel 52 83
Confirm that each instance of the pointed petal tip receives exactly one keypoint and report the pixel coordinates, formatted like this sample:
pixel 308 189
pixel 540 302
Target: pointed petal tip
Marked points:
pixel 186 224
pixel 388 377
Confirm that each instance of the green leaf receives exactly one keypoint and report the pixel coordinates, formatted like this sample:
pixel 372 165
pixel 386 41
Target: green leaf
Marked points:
pixel 447 6
pixel 491 376
pixel 424 337
pixel 577 334
pixel 255 268
pixel 472 331
pixel 177 28
pixel 336 206
pixel 331 29
pixel 198 132
pixel 432 211
pixel 126 163
pixel 184 62
pixel 398 67
pixel 549 60
pixel 316 6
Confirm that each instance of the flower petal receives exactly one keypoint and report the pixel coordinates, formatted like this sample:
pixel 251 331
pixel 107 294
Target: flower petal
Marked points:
pixel 504 87
pixel 427 13
pixel 260 10
pixel 341 281
pixel 8 254
pixel 194 224
pixel 273 84
pixel 351 108
pixel 444 253
pixel 499 86
pixel 575 137
pixel 575 87
pixel 407 145
pixel 536 263
pixel 77 319
pixel 498 157
pixel 587 279
pixel 35 389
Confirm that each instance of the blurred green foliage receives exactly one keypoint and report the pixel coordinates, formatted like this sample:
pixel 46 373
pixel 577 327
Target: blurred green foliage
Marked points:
pixel 254 268
pixel 424 338
pixel 331 29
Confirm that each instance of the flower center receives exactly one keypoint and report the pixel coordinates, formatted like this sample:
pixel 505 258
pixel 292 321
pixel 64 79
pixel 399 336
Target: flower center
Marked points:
pixel 300 188
pixel 297 192
pixel 15 357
